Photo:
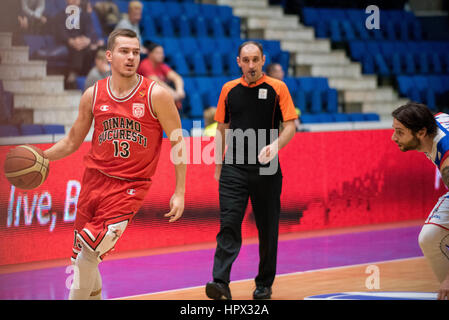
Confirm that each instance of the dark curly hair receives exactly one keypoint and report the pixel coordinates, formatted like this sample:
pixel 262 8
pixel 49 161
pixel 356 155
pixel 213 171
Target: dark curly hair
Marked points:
pixel 416 116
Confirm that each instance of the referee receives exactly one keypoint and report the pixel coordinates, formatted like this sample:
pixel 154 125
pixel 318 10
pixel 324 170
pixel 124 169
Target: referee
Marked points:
pixel 249 111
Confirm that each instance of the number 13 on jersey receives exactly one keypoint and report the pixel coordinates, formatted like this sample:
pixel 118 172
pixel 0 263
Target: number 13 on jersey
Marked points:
pixel 121 148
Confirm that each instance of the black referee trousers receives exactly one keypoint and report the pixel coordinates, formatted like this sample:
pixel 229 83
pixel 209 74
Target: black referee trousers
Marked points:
pixel 237 184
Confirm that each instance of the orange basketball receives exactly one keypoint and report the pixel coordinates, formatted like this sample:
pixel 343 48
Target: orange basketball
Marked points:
pixel 26 167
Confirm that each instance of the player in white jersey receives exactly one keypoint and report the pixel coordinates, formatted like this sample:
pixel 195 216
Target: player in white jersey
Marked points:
pixel 415 128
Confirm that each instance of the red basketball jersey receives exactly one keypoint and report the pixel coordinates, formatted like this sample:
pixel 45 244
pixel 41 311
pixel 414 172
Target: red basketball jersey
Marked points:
pixel 127 136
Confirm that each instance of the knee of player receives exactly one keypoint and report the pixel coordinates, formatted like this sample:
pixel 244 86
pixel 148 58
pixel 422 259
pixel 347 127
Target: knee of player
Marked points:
pixel 88 255
pixel 114 234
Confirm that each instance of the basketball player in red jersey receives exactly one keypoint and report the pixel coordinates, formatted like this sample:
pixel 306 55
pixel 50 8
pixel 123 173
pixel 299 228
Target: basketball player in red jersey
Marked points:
pixel 129 114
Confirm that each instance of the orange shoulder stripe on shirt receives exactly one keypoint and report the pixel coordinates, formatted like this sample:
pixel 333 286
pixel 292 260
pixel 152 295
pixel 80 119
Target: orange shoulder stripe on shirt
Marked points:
pixel 285 100
pixel 220 113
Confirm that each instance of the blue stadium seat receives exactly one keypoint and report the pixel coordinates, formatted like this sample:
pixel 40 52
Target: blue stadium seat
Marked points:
pixel 9 131
pixel 224 13
pixel 371 117
pixel 148 28
pixel 216 28
pixel 445 57
pixel 153 9
pixel 122 5
pixel 291 84
pixel 196 105
pixel 316 103
pixel 53 129
pixel 396 64
pixel 381 64
pixel 423 62
pixel 173 9
pixel 183 27
pixel 31 129
pixel 309 118
pixel 166 27
pixel 340 117
pixel 171 45
pixel 368 64
pixel 34 42
pixel 191 10
pixel 179 63
pixel 209 10
pixel 436 63
pixel 331 100
pixel 357 49
pixel 356 116
pixel 199 27
pixel 233 27
pixel 348 30
pixel 410 67
pixel 310 16
pixel 321 29
pixel 300 101
pixel 391 33
pixel 324 117
pixel 80 81
pixel 335 31
pixel 194 57
pixel 187 124
pixel 53 7
pixel 405 84
pixel 189 84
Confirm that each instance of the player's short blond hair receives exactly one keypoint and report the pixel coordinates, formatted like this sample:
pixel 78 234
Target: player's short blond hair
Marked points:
pixel 119 33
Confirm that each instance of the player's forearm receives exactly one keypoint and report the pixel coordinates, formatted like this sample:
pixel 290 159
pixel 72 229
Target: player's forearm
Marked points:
pixel 220 142
pixel 287 134
pixel 445 175
pixel 61 149
pixel 180 173
pixel 180 162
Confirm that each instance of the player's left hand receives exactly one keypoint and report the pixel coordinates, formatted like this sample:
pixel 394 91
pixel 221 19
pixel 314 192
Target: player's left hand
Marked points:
pixel 443 293
pixel 268 153
pixel 176 207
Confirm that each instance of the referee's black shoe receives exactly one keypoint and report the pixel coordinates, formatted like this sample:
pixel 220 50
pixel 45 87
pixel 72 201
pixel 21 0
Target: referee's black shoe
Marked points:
pixel 218 291
pixel 262 292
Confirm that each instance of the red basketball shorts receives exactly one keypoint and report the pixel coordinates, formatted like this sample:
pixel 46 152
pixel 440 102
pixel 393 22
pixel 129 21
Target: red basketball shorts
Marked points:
pixel 106 206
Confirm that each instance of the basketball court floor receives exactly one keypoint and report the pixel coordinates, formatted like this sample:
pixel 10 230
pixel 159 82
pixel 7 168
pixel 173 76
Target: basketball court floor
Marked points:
pixel 369 262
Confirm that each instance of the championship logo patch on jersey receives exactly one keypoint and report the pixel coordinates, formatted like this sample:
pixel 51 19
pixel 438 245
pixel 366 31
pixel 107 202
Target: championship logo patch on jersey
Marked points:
pixel 138 110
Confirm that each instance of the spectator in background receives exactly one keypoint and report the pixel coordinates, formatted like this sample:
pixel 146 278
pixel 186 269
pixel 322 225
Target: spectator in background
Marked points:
pixel 32 20
pixel 108 14
pixel 10 20
pixel 81 42
pixel 275 70
pixel 210 125
pixel 100 71
pixel 132 21
pixel 153 67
